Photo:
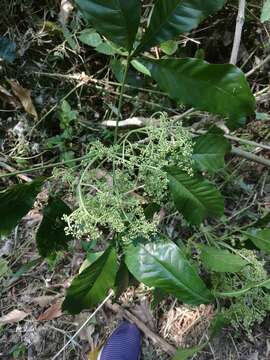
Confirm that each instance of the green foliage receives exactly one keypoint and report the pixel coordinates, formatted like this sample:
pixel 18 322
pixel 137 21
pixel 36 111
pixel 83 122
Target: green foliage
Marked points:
pixel 219 89
pixel 174 17
pixel 7 49
pixel 265 15
pixel 92 285
pixel 251 307
pixel 67 118
pixel 15 202
pixel 209 152
pixel 195 197
pixel 90 37
pixel 260 238
pixel 141 180
pixel 221 260
pixel 118 20
pixel 162 264
pixel 51 236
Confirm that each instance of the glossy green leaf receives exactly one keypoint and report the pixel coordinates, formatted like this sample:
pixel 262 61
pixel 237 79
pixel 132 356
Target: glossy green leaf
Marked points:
pixel 7 49
pixel 265 15
pixel 209 152
pixel 15 202
pixel 174 17
pixel 219 260
pixel 161 263
pixel 118 20
pixel 218 89
pixel 51 236
pixel 193 196
pixel 260 238
pixel 90 259
pixel 92 285
pixel 90 37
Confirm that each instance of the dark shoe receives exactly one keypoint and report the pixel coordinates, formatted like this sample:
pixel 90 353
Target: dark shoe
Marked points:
pixel 123 344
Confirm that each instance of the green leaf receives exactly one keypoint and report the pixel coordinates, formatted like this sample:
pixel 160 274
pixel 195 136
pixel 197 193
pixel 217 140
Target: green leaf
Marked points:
pixel 7 49
pixel 4 267
pixel 118 20
pixel 264 221
pixel 51 236
pixel 184 354
pixel 162 264
pixel 106 49
pixel 209 152
pixel 92 285
pixel 260 238
pixel 15 202
pixel 90 37
pixel 195 197
pixel 174 17
pixel 218 89
pixel 169 47
pixel 265 15
pixel 122 279
pixel 140 67
pixel 221 260
pixel 90 259
pixel 118 69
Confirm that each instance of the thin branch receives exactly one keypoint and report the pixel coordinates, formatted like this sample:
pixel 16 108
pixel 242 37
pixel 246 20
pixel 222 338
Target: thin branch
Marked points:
pixel 83 325
pixel 257 67
pixel 166 347
pixel 238 31
pixel 251 157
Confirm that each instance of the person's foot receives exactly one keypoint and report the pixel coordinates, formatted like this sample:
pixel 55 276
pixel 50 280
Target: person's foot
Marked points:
pixel 123 344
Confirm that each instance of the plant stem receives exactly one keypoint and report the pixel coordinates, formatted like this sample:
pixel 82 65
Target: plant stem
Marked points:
pixel 119 114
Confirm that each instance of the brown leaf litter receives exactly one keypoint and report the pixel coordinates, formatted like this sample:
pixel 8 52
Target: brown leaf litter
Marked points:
pixel 24 95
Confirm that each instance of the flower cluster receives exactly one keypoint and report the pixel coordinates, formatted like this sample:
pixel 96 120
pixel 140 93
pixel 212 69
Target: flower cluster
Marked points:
pixel 123 179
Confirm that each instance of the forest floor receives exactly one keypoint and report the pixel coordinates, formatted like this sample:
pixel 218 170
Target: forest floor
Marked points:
pixel 51 65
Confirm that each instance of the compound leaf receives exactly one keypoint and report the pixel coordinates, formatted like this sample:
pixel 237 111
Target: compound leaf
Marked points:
pixel 162 264
pixel 92 284
pixel 193 196
pixel 118 20
pixel 51 236
pixel 174 17
pixel 220 260
pixel 216 88
pixel 16 202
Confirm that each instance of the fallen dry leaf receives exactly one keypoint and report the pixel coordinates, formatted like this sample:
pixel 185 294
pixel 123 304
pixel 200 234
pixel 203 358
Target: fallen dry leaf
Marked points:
pixel 24 95
pixel 65 10
pixel 13 317
pixel 6 96
pixel 44 300
pixel 53 312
